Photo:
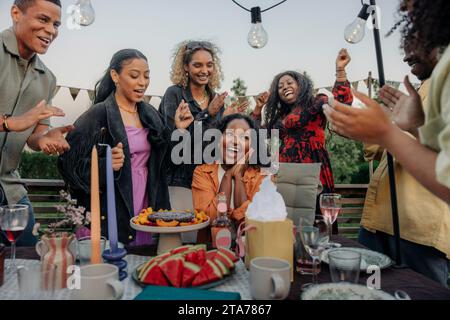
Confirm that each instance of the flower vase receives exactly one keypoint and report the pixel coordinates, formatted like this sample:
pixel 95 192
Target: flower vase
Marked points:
pixel 58 250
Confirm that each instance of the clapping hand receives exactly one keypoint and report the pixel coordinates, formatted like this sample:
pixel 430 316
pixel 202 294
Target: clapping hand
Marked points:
pixel 183 116
pixel 406 110
pixel 29 119
pixel 217 104
pixel 53 142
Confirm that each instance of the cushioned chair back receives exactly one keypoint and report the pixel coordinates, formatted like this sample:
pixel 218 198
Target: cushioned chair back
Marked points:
pixel 299 184
pixel 181 199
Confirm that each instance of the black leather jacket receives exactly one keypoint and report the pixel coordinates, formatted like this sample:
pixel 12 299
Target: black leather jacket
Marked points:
pixel 102 124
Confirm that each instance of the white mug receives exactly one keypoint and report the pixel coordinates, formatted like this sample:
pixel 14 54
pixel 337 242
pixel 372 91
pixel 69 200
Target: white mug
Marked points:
pixel 270 278
pixel 99 282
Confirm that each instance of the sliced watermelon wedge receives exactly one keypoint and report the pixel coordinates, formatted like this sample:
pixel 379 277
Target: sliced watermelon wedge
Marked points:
pixel 173 270
pixel 225 271
pixel 211 254
pixel 145 267
pixel 210 272
pixel 154 276
pixel 201 257
pixel 200 246
pixel 189 273
pixel 191 256
pixel 230 254
pixel 222 257
pixel 181 249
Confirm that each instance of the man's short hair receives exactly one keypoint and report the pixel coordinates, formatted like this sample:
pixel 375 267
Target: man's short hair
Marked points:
pixel 25 4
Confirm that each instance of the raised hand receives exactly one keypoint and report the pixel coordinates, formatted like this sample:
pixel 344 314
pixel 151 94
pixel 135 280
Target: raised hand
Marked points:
pixel 29 119
pixel 407 110
pixel 118 157
pixel 54 142
pixel 343 59
pixel 261 101
pixel 183 116
pixel 217 104
pixel 243 106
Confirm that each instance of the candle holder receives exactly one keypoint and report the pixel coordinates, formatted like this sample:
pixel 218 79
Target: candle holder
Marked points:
pixel 116 258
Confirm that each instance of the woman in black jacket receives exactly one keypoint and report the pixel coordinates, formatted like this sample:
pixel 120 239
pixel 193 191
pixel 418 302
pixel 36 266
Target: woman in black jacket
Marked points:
pixel 140 141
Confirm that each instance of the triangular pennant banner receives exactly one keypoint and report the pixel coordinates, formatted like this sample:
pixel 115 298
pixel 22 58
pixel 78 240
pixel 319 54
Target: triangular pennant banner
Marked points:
pixel 147 99
pixel 329 89
pixel 74 93
pixel 355 85
pixel 91 94
pixel 393 84
pixel 366 82
pixel 56 90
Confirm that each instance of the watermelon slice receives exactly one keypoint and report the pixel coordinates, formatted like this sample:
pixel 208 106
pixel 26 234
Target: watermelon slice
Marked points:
pixel 201 257
pixel 225 260
pixel 200 246
pixel 143 268
pixel 230 254
pixel 154 276
pixel 225 271
pixel 191 256
pixel 181 249
pixel 173 270
pixel 211 254
pixel 189 273
pixel 209 273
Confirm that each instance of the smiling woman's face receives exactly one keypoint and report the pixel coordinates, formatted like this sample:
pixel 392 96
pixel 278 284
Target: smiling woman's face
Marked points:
pixel 235 141
pixel 288 89
pixel 201 67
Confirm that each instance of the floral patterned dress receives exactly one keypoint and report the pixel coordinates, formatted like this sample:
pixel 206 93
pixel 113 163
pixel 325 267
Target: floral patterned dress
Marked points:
pixel 302 134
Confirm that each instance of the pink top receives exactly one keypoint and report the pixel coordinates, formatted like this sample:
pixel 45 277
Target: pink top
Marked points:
pixel 140 150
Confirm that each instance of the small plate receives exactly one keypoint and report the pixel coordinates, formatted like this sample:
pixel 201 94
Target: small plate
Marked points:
pixel 344 291
pixel 205 287
pixel 368 258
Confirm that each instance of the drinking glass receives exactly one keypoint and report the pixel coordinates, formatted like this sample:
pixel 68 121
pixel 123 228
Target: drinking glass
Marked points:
pixel 37 283
pixel 13 221
pixel 303 259
pixel 344 265
pixel 314 243
pixel 330 206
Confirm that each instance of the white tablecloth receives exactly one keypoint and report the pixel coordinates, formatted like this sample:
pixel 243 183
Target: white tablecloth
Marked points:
pixel 238 282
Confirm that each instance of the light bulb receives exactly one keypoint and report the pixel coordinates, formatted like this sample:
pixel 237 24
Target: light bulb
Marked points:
pixel 84 15
pixel 257 37
pixel 356 31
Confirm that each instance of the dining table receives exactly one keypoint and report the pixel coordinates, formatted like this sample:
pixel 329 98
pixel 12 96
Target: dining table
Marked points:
pixel 416 285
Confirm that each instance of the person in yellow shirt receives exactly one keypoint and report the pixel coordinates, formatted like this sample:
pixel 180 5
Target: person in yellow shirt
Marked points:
pixel 424 219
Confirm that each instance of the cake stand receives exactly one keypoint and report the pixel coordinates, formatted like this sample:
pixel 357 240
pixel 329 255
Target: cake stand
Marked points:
pixel 169 237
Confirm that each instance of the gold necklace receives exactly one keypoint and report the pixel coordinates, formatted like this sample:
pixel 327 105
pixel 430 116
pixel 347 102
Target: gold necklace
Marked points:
pixel 205 97
pixel 126 110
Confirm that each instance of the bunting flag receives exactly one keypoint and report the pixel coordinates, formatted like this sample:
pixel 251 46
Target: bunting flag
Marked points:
pixel 329 89
pixel 355 85
pixel 147 99
pixel 56 90
pixel 74 93
pixel 91 94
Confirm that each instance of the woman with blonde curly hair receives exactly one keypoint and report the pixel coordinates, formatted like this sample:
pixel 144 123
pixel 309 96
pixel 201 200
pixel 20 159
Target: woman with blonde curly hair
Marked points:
pixel 196 74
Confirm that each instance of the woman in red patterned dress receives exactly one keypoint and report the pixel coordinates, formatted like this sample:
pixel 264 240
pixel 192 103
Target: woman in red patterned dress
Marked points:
pixel 291 107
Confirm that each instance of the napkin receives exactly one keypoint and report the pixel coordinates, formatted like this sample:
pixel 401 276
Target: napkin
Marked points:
pixel 171 293
pixel 267 205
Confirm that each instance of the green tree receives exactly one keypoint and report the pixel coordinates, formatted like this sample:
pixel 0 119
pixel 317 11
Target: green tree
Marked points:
pixel 347 160
pixel 239 89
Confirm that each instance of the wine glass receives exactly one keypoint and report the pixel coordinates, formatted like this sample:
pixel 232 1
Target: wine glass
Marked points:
pixel 315 243
pixel 330 206
pixel 13 221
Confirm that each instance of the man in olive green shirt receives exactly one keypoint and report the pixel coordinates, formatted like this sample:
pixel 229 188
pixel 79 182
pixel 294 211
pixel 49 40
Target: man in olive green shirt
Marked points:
pixel 26 88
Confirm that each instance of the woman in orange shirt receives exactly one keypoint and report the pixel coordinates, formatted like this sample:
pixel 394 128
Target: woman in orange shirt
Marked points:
pixel 233 176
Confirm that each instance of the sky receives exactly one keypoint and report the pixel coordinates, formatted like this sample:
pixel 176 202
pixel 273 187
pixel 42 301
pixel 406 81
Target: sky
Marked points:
pixel 303 36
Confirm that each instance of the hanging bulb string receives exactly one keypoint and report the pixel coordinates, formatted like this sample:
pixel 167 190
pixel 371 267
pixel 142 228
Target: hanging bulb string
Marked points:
pixel 276 5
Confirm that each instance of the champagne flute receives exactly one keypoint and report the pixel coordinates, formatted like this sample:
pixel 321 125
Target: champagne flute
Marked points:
pixel 330 206
pixel 13 221
pixel 314 243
